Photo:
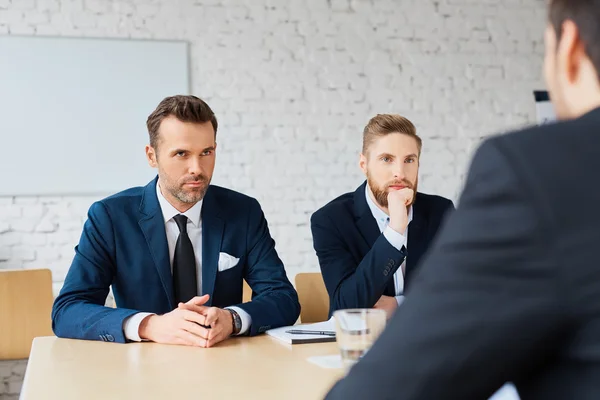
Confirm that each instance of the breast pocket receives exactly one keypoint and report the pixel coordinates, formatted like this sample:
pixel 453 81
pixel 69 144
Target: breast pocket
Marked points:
pixel 229 283
pixel 227 262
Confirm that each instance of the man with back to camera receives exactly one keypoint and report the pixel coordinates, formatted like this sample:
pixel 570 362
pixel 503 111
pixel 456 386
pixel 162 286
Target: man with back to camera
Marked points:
pixel 176 251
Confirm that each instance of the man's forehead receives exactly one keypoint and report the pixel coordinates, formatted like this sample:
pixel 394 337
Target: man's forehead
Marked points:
pixel 395 143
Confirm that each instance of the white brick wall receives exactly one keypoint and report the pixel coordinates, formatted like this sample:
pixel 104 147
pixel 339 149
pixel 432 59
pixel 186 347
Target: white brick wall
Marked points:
pixel 293 82
pixel 11 378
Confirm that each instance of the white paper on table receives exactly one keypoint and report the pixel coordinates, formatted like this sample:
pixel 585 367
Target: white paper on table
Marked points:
pixel 330 361
pixel 283 336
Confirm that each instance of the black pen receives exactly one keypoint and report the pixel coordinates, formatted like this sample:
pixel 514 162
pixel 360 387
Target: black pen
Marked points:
pixel 302 332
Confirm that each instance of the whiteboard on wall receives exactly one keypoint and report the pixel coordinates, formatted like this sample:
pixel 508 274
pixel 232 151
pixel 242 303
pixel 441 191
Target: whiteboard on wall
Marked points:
pixel 73 111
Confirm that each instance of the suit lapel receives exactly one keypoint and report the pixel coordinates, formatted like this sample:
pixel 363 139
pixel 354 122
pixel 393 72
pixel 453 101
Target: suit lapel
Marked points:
pixel 417 238
pixel 212 236
pixel 152 225
pixel 365 221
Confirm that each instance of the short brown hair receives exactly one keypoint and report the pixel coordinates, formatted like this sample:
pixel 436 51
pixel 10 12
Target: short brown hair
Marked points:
pixel 183 107
pixel 384 124
pixel 586 15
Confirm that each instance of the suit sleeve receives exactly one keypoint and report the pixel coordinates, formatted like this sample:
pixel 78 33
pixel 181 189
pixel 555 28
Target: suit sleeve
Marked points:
pixel 275 301
pixel 485 307
pixel 351 284
pixel 78 311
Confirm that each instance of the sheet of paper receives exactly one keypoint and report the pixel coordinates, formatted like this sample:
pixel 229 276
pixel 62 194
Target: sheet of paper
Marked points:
pixel 319 326
pixel 330 361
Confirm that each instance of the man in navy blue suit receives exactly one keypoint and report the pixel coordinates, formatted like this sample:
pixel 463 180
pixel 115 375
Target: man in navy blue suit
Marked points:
pixel 369 242
pixel 176 251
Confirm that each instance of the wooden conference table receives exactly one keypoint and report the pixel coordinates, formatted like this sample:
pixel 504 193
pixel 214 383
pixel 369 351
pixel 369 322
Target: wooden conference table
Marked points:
pixel 240 368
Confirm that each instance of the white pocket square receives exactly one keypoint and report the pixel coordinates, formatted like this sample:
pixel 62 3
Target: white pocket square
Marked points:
pixel 227 261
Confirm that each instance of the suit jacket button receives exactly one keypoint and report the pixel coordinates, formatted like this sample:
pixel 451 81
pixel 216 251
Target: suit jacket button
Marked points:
pixel 110 338
pixel 385 272
pixel 103 338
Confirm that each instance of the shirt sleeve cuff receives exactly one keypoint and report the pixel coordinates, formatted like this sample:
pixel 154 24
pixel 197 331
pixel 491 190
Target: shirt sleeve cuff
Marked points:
pixel 396 239
pixel 399 300
pixel 131 326
pixel 244 316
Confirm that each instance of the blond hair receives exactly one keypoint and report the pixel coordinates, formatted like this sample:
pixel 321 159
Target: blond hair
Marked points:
pixel 385 124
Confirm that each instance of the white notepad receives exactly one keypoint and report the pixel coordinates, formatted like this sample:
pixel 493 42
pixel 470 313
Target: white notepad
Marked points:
pixel 281 333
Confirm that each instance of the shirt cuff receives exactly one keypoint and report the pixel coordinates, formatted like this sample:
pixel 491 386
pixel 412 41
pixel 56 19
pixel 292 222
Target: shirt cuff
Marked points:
pixel 131 326
pixel 399 300
pixel 396 239
pixel 244 316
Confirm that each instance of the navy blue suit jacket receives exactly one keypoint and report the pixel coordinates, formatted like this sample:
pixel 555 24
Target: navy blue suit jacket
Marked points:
pixel 356 260
pixel 124 244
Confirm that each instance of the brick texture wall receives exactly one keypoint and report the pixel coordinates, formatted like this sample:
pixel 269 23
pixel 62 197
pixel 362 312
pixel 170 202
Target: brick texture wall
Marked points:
pixel 293 83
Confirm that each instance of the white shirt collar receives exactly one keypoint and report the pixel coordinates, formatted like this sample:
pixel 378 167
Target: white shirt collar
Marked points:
pixel 169 211
pixel 380 216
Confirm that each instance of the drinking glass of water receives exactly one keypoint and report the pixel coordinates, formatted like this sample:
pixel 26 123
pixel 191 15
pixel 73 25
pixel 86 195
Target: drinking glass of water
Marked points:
pixel 356 330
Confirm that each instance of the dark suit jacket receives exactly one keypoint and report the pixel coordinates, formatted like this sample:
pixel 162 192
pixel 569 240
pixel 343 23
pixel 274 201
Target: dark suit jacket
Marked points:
pixel 124 244
pixel 510 291
pixel 357 261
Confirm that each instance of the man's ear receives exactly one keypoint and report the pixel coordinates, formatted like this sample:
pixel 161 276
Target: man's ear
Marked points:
pixel 362 163
pixel 151 156
pixel 570 50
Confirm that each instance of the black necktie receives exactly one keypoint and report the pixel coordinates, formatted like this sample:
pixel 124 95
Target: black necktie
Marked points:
pixel 184 263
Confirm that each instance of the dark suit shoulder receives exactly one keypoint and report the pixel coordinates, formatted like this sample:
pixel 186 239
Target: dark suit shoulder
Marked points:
pixel 544 141
pixel 128 200
pixel 542 161
pixel 341 206
pixel 227 197
pixel 547 155
pixel 235 203
pixel 434 202
pixel 134 193
pixel 233 206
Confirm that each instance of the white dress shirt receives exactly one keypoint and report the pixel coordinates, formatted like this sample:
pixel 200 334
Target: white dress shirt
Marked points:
pixel 194 229
pixel 396 239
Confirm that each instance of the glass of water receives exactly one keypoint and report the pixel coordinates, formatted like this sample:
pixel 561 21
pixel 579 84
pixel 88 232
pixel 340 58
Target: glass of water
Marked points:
pixel 356 330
